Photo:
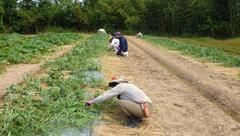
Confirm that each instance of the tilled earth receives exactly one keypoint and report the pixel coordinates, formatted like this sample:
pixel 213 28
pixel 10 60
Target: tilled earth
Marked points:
pixel 179 107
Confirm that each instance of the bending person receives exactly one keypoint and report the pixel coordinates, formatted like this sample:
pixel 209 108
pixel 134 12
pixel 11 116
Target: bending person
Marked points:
pixel 131 100
pixel 102 31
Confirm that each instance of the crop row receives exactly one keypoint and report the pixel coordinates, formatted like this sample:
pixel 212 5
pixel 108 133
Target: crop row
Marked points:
pixel 46 105
pixel 212 54
pixel 16 48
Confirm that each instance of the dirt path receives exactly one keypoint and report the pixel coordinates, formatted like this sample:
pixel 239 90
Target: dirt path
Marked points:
pixel 179 107
pixel 214 85
pixel 15 73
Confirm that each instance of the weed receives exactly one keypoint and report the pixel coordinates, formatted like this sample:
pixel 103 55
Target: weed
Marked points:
pixel 230 46
pixel 212 54
pixel 16 48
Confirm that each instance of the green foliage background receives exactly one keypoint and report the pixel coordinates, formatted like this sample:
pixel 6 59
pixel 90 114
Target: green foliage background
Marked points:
pixel 215 18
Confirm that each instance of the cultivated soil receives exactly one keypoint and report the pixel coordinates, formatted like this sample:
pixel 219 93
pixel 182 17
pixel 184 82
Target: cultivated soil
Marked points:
pixel 189 97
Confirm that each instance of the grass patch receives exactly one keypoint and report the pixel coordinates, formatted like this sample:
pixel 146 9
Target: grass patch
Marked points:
pixel 42 105
pixel 231 46
pixel 2 69
pixel 16 48
pixel 210 53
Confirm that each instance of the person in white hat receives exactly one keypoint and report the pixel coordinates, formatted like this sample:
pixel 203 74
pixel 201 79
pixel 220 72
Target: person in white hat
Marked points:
pixel 131 100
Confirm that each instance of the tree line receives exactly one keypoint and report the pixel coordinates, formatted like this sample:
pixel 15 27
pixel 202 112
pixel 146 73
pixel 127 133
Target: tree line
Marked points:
pixel 215 18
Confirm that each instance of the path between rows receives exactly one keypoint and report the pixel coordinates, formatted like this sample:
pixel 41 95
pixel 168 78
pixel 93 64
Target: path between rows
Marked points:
pixel 15 74
pixel 179 107
pixel 216 86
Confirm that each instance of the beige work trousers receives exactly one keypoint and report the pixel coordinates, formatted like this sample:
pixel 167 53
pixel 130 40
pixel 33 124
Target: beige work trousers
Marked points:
pixel 131 108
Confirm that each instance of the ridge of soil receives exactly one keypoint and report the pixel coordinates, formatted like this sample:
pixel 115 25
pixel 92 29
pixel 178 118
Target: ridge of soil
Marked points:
pixel 179 107
pixel 216 86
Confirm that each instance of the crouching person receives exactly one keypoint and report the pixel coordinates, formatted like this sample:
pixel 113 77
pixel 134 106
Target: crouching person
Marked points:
pixel 132 101
pixel 123 45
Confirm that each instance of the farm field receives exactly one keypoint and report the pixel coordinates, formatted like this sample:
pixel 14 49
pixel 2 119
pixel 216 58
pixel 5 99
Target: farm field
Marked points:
pixel 38 105
pixel 231 46
pixel 51 102
pixel 188 97
pixel 177 63
pixel 204 49
pixel 16 48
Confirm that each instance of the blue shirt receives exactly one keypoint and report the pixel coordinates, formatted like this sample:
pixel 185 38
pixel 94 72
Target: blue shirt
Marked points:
pixel 123 44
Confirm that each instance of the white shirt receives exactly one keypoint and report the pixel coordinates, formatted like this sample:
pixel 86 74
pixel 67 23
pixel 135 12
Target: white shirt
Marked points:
pixel 139 34
pixel 126 91
pixel 115 42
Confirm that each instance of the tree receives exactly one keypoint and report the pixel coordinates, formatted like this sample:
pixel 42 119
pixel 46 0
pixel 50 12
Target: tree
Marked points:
pixel 10 8
pixel 216 18
pixel 1 16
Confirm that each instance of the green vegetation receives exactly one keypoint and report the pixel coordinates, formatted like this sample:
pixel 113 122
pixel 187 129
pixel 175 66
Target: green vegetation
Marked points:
pixel 215 18
pixel 231 46
pixel 48 104
pixel 2 68
pixel 212 54
pixel 16 48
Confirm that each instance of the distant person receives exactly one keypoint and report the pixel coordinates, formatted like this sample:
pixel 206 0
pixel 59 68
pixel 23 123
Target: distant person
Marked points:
pixel 139 35
pixel 123 45
pixel 102 32
pixel 132 101
pixel 114 42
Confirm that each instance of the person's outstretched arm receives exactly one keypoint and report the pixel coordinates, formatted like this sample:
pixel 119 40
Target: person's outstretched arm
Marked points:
pixel 107 95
